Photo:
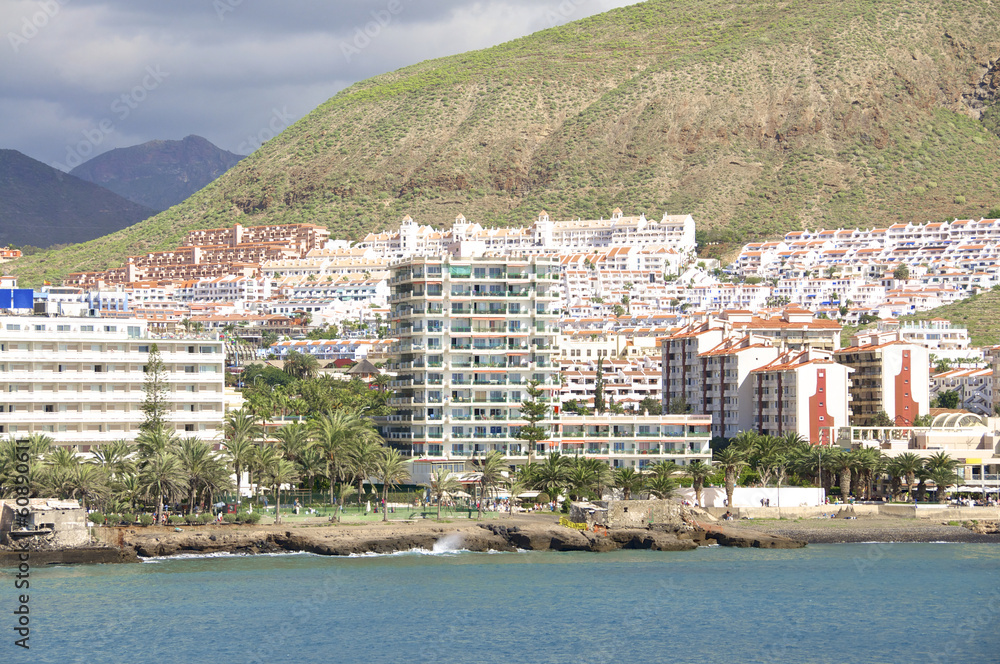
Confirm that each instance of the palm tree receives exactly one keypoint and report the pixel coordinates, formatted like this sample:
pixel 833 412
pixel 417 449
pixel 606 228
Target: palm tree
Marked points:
pixel 841 462
pixel 240 452
pixel 162 478
pixel 939 461
pixel 311 464
pixel 516 488
pixel 581 480
pixel 943 478
pixel 391 471
pixel 908 465
pixel 364 457
pixel 279 471
pixel 732 460
pixel 196 459
pixel 869 463
pixel 698 471
pixel 301 365
pixel 661 486
pixel 333 435
pixel 629 481
pixel 62 458
pixel 601 474
pixel 293 438
pixel 344 491
pixel 552 475
pixel 116 458
pixel 442 483
pixel 490 468
pixel 87 481
pixel 155 441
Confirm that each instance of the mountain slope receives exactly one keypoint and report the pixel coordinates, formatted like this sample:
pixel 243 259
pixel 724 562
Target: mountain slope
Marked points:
pixel 42 206
pixel 158 174
pixel 756 117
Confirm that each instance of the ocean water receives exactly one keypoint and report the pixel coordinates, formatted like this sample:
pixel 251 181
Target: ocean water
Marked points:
pixel 854 603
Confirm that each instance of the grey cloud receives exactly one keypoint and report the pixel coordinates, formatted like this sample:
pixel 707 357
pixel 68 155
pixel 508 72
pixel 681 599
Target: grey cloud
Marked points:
pixel 70 68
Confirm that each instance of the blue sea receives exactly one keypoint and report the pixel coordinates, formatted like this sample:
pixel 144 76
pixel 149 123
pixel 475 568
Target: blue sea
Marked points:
pixel 838 603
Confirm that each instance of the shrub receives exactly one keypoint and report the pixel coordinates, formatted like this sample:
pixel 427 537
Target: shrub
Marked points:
pixel 229 518
pixel 960 200
pixel 96 517
pixel 192 519
pixel 127 519
pixel 204 518
pixel 146 519
pixel 176 520
pixel 112 519
pixel 253 517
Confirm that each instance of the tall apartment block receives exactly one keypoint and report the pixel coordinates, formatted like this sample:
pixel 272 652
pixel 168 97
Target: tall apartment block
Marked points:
pixel 891 377
pixel 80 380
pixel 472 332
pixel 803 392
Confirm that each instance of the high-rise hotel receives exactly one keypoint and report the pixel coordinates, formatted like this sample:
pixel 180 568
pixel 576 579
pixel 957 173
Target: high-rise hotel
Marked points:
pixel 472 332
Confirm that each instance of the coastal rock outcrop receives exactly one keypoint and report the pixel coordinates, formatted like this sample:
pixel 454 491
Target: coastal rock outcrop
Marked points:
pixel 655 540
pixel 749 538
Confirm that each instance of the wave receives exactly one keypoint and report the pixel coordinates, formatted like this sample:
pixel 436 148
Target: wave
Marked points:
pixel 222 554
pixel 410 552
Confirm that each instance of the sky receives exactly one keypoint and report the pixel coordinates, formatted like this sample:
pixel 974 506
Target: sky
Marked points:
pixel 80 77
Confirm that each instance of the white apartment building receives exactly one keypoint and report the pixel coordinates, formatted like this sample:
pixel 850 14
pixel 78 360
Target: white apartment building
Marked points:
pixel 803 392
pixel 471 333
pixel 80 380
pixel 974 388
pixel 545 236
pixel 326 350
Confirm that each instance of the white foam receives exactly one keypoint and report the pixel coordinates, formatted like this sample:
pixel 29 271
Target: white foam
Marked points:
pixel 221 554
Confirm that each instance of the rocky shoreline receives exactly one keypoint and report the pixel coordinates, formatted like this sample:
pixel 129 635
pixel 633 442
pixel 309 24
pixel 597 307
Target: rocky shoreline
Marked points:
pixel 499 535
pixel 503 534
pixel 874 529
pixel 534 533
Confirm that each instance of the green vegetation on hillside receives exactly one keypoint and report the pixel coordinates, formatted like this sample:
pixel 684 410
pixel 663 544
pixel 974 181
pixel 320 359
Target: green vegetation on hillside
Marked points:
pixel 756 117
pixel 979 313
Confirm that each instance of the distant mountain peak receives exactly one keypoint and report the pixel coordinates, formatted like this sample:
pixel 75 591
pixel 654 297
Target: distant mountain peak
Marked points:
pixel 159 173
pixel 42 206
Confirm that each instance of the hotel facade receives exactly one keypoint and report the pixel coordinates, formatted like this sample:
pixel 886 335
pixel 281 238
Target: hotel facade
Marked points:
pixel 80 380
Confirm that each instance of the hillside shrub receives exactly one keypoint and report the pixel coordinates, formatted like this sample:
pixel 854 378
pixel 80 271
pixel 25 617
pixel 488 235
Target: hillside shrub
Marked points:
pixel 97 518
pixel 959 200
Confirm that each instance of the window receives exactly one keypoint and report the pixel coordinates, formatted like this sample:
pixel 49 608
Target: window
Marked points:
pixel 98 368
pixel 50 408
pixel 13 326
pixel 143 349
pixel 110 328
pixel 86 328
pixel 190 368
pixel 206 349
pixel 189 427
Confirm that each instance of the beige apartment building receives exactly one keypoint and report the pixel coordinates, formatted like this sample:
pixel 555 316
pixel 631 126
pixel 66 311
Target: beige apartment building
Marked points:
pixel 80 380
